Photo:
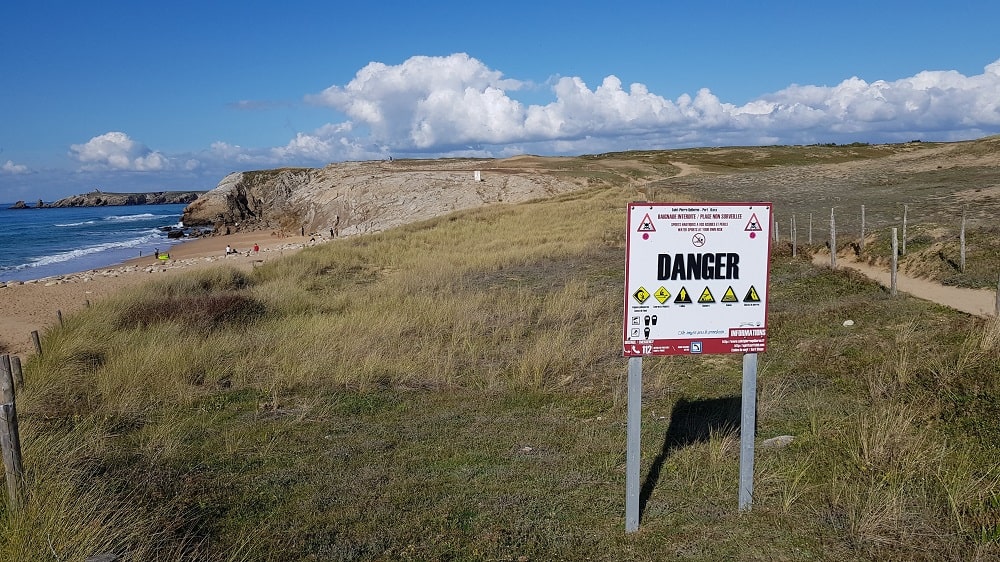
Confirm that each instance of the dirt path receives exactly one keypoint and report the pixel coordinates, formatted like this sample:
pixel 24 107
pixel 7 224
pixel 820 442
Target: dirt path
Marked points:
pixel 979 302
pixel 686 169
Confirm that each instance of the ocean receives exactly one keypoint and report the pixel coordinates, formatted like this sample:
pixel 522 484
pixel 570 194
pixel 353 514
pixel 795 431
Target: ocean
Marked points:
pixel 37 243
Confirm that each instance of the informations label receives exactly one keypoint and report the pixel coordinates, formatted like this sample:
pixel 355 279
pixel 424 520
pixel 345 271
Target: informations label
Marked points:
pixel 696 278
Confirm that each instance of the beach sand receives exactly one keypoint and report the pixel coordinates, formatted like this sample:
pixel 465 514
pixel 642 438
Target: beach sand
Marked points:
pixel 35 305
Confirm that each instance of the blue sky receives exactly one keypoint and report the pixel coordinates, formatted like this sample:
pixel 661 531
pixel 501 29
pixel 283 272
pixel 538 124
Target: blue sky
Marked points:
pixel 131 96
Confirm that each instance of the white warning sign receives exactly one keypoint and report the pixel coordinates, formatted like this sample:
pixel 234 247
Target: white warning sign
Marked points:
pixel 700 258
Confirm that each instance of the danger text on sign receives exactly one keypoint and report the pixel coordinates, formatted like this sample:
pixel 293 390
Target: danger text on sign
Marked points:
pixel 683 267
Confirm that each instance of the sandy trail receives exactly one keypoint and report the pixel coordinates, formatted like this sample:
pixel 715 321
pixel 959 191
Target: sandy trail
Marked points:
pixel 979 302
pixel 686 169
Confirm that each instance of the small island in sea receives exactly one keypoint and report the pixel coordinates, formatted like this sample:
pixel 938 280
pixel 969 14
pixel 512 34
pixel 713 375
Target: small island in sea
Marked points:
pixel 98 198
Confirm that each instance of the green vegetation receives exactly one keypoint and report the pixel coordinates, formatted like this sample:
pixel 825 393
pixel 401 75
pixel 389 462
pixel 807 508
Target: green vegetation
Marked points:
pixel 454 390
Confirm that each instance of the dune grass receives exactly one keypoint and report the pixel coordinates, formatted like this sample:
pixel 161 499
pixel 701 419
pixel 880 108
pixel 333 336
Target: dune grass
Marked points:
pixel 454 389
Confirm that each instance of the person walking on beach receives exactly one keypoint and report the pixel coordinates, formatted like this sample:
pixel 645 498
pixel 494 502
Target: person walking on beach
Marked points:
pixel 256 248
pixel 229 249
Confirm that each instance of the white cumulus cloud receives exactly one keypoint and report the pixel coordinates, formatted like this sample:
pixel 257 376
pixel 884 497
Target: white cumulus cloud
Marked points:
pixel 10 167
pixel 430 101
pixel 232 152
pixel 116 151
pixel 454 104
pixel 328 143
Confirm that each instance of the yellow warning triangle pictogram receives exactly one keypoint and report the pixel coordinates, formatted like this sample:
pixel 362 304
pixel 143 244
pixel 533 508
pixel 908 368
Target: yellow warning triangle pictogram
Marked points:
pixel 683 297
pixel 730 296
pixel 706 297
pixel 752 295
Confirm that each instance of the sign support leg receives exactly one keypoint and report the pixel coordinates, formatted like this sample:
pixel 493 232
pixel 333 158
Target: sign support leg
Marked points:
pixel 632 455
pixel 748 429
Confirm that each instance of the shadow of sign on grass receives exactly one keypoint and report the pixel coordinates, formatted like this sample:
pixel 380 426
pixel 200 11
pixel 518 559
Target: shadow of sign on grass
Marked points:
pixel 691 421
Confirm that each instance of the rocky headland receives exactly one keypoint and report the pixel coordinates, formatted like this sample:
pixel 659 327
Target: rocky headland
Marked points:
pixel 361 197
pixel 99 198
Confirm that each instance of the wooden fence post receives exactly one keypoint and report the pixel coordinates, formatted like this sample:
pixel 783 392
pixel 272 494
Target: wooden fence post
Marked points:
pixel 833 240
pixel 996 305
pixel 16 372
pixel 38 342
pixel 905 209
pixel 793 234
pixel 59 315
pixel 862 246
pixel 6 380
pixel 895 263
pixel 10 441
pixel 962 242
pixel 11 445
pixel 7 367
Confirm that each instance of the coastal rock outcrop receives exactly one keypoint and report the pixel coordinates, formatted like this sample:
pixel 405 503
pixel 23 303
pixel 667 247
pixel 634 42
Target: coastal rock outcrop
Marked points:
pixel 257 199
pixel 22 205
pixel 359 197
pixel 99 198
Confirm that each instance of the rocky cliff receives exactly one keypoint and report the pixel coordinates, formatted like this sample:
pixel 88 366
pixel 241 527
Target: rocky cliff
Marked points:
pixel 359 197
pixel 98 198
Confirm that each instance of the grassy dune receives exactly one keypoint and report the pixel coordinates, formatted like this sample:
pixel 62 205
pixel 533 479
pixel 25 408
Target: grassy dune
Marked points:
pixel 453 390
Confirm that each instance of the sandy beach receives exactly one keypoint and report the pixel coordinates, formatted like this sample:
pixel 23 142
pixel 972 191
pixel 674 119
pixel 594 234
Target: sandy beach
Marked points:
pixel 35 305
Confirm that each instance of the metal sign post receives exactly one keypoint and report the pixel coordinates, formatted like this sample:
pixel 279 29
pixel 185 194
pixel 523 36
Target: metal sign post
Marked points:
pixel 748 429
pixel 632 455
